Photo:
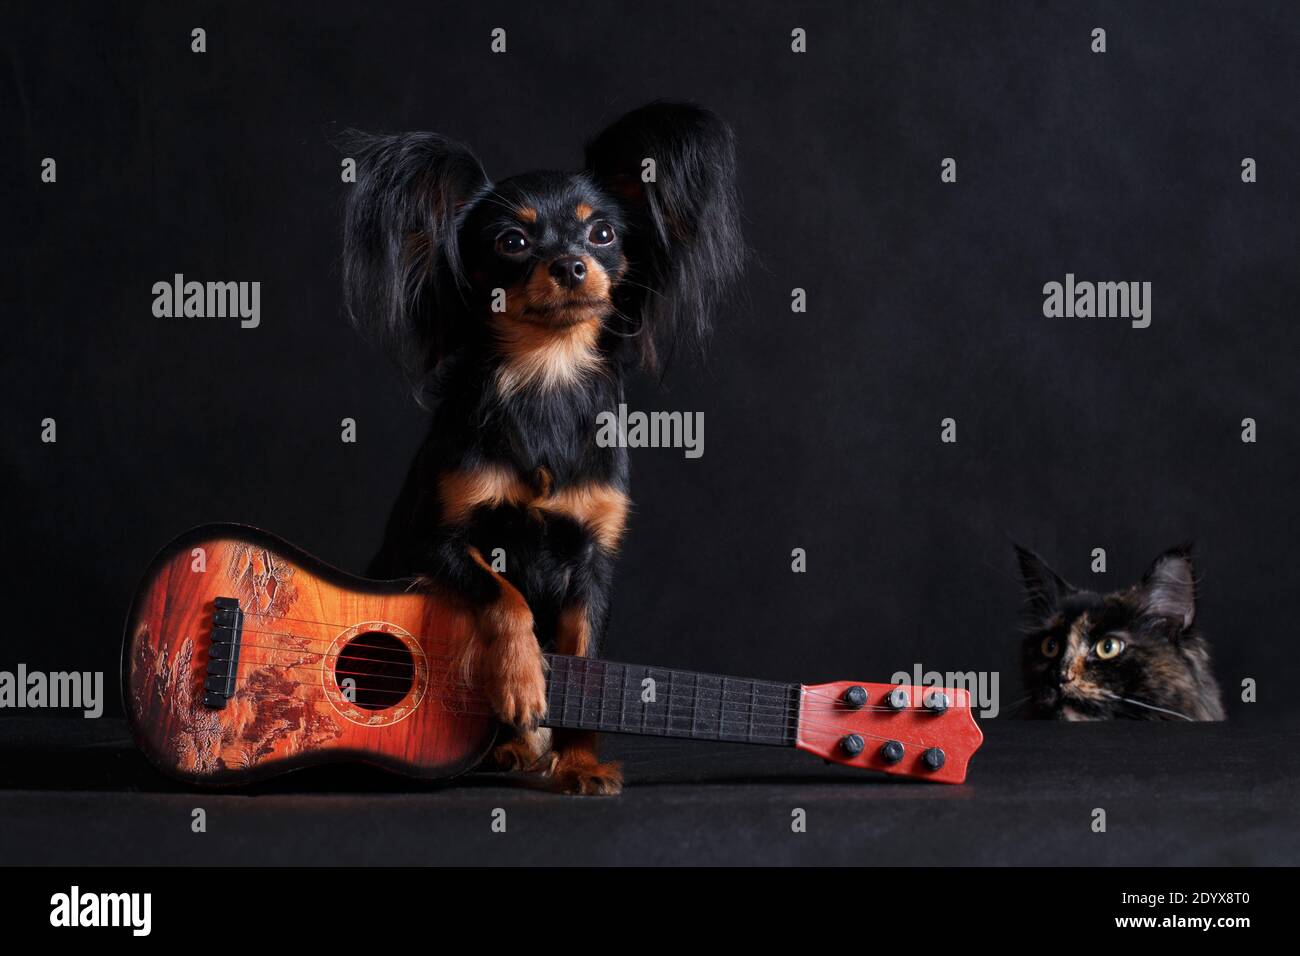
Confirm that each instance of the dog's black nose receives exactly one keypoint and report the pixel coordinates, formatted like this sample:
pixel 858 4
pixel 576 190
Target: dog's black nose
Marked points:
pixel 569 271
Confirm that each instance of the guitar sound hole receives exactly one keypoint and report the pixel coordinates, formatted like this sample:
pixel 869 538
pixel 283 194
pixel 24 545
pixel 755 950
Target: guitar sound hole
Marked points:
pixel 374 670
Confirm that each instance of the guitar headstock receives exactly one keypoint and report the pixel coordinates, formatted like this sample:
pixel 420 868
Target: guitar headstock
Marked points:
pixel 923 732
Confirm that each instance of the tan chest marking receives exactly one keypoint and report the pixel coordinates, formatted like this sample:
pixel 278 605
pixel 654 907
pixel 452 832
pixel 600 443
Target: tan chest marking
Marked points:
pixel 460 492
pixel 601 509
pixel 549 358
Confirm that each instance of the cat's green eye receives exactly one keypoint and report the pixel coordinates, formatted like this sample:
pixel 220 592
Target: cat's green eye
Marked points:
pixel 1109 647
pixel 1050 647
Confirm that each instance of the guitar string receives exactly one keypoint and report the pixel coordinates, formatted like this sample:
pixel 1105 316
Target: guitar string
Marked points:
pixel 793 717
pixel 585 721
pixel 435 641
pixel 438 643
pixel 772 696
pixel 766 700
pixel 771 709
pixel 608 694
pixel 767 689
pixel 771 690
pixel 790 711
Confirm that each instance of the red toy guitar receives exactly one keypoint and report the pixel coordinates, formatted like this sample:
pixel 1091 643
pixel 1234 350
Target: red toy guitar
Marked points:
pixel 244 657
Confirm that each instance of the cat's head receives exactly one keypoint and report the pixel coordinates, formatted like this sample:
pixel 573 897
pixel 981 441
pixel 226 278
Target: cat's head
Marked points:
pixel 1134 653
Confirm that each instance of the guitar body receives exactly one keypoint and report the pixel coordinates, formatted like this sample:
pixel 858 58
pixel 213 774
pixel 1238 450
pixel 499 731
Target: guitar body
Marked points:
pixel 305 629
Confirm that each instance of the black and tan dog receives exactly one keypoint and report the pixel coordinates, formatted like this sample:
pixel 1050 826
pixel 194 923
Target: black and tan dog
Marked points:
pixel 521 306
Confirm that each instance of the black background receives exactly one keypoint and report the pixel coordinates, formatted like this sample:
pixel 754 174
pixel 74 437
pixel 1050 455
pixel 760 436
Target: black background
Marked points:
pixel 822 429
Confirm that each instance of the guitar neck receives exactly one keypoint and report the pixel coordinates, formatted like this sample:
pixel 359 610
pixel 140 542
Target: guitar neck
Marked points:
pixel 599 695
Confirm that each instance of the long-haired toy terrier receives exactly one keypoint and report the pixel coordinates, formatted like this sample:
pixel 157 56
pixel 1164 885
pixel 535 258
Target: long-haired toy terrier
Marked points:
pixel 521 306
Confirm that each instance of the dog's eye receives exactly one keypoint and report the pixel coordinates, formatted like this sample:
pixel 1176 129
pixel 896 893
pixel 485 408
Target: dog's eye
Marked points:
pixel 1050 647
pixel 602 233
pixel 1108 647
pixel 512 242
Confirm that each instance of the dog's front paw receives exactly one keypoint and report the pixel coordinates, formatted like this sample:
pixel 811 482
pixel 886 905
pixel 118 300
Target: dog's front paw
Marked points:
pixel 581 773
pixel 516 680
pixel 529 752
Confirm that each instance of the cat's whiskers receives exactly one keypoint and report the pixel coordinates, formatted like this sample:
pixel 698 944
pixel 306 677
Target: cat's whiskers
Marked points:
pixel 1139 703
pixel 1015 705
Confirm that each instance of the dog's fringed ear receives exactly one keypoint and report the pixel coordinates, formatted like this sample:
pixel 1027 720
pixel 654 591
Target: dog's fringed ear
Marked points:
pixel 401 263
pixel 673 168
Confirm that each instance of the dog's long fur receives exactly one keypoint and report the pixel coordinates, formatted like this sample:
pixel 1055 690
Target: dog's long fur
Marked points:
pixel 518 308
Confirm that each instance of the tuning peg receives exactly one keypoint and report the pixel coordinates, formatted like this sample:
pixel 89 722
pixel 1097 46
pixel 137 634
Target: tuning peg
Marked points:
pixel 851 744
pixel 892 751
pixel 898 699
pixel 933 758
pixel 937 702
pixel 855 697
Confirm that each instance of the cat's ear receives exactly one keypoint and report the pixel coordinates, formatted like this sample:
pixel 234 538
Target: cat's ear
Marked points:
pixel 1044 588
pixel 1169 587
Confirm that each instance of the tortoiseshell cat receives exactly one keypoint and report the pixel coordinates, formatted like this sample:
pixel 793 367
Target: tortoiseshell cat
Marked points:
pixel 1134 653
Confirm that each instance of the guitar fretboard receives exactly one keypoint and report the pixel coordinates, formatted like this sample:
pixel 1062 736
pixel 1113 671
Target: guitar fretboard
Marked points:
pixel 585 694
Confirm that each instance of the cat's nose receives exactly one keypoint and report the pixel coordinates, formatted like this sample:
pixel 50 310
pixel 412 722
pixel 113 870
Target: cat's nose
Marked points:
pixel 1072 670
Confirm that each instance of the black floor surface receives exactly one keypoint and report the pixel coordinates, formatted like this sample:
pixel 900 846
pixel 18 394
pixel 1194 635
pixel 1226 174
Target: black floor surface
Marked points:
pixel 75 792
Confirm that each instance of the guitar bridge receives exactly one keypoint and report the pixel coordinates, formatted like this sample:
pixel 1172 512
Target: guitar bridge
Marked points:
pixel 223 652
